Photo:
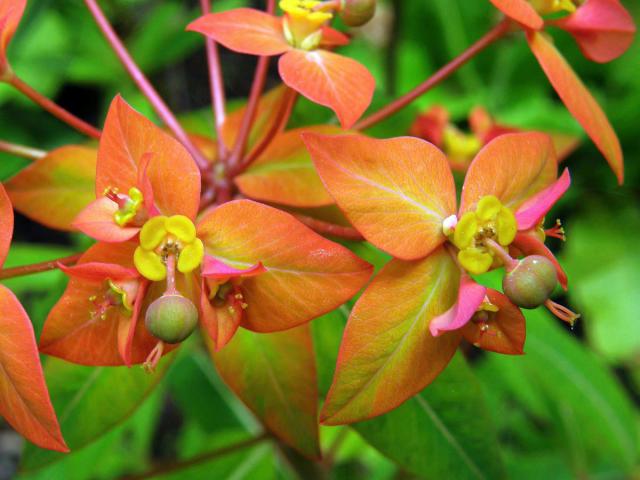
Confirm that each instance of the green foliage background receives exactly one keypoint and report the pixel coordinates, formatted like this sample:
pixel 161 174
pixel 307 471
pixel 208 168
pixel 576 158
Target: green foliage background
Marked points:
pixel 567 409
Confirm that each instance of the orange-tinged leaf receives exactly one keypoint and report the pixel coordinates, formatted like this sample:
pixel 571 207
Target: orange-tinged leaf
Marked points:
pixel 244 30
pixel 285 174
pixel 126 138
pixel 54 189
pixel 521 11
pixel 329 79
pixel 505 330
pixel 24 399
pixel 6 224
pixel 265 119
pixel 307 275
pixel 73 334
pixel 387 353
pixel 275 376
pixel 603 29
pixel 578 101
pixel 10 15
pixel 396 192
pixel 513 167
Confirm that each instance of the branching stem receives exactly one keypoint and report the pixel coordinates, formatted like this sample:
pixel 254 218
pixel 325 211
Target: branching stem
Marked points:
pixel 492 36
pixel 22 151
pixel 52 107
pixel 38 267
pixel 144 85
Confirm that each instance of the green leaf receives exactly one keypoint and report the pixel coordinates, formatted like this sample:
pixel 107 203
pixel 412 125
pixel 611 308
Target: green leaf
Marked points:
pixel 90 402
pixel 601 279
pixel 275 376
pixel 588 419
pixel 443 432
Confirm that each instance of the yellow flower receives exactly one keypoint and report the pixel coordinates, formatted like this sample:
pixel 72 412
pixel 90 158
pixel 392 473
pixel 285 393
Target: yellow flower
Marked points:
pixel 303 23
pixel 162 236
pixel 490 221
pixel 545 7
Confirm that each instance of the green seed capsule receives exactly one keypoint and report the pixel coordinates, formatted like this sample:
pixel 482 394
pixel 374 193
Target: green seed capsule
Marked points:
pixel 171 318
pixel 356 13
pixel 531 283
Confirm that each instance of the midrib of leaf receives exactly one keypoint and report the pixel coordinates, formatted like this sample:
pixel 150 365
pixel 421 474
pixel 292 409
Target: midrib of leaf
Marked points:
pixel 448 436
pixel 89 382
pixel 416 320
pixel 590 392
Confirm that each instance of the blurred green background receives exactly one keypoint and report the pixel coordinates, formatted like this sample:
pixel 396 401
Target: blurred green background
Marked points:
pixel 567 409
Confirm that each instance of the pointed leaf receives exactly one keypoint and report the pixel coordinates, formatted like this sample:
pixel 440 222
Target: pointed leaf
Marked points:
pixel 513 167
pixel 521 11
pixel 99 271
pixel 214 268
pixel 6 224
pixel 54 189
pixel 578 101
pixel 446 431
pixel 244 30
pixel 91 402
pixel 126 138
pixel 329 79
pixel 603 29
pixel 307 275
pixel 24 399
pixel 72 332
pixel 395 192
pixel 220 323
pixel 275 376
pixel 10 15
pixel 285 174
pixel 387 353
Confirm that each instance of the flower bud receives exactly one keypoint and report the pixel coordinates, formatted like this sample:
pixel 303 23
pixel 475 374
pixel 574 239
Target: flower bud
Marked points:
pixel 356 13
pixel 171 318
pixel 531 282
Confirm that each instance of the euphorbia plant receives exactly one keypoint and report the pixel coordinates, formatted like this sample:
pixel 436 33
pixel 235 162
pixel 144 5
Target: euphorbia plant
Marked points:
pixel 401 195
pixel 182 240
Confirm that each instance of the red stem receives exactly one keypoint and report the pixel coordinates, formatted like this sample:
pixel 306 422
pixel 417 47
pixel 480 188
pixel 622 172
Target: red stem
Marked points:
pixel 282 118
pixel 22 151
pixel 493 35
pixel 38 267
pixel 216 84
pixel 144 85
pixel 257 88
pixel 52 107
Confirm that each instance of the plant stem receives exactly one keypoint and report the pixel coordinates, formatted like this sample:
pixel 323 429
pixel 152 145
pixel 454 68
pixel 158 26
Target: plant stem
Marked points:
pixel 216 84
pixel 38 267
pixel 144 85
pixel 52 107
pixel 257 87
pixel 282 118
pixel 204 457
pixel 22 151
pixel 493 35
pixel 326 228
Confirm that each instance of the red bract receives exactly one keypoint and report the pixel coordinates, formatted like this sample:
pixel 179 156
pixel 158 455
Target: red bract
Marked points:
pixel 242 263
pixel 400 194
pixel 435 126
pixel 604 30
pixel 24 399
pixel 302 36
pixel 10 14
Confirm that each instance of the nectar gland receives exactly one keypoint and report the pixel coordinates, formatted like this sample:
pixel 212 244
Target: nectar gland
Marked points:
pixel 477 231
pixel 130 211
pixel 162 236
pixel 545 7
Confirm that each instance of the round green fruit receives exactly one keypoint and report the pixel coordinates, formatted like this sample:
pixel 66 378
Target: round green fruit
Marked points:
pixel 531 282
pixel 171 318
pixel 356 13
